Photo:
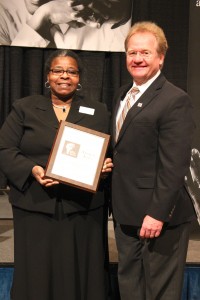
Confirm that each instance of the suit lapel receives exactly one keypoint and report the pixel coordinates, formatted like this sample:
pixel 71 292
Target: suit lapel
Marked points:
pixel 142 103
pixel 45 111
pixel 74 115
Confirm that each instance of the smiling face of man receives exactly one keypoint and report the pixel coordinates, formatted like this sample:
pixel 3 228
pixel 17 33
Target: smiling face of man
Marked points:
pixel 142 59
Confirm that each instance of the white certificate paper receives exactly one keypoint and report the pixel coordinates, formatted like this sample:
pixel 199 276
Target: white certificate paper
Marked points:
pixel 77 156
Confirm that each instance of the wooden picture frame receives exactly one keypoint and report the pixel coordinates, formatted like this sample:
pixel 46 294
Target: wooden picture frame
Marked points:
pixel 77 156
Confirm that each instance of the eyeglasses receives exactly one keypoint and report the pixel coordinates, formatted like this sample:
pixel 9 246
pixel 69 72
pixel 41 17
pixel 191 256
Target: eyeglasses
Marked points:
pixel 143 54
pixel 60 72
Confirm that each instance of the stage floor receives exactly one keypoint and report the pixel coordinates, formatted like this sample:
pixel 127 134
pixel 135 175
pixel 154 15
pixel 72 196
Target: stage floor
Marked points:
pixel 7 245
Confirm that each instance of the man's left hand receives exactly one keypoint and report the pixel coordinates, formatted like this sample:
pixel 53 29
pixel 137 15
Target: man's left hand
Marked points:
pixel 151 228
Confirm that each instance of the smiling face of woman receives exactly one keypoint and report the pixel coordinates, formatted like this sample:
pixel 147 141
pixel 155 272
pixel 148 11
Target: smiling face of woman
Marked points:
pixel 63 84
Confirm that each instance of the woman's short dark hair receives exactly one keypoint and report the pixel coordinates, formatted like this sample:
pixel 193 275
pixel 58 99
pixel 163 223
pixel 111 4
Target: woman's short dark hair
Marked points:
pixel 63 53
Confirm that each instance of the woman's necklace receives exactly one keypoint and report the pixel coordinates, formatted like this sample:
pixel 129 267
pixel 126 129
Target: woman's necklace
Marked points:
pixel 63 107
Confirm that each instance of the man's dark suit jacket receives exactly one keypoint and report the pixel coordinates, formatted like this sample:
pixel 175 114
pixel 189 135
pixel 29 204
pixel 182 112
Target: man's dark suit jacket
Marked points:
pixel 152 156
pixel 26 139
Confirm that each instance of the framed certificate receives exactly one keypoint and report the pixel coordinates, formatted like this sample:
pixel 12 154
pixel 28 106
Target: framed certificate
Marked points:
pixel 77 156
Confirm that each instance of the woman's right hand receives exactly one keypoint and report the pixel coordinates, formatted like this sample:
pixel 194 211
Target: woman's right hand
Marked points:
pixel 38 173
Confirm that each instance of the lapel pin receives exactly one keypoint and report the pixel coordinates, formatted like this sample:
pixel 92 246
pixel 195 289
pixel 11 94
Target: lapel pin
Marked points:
pixel 139 104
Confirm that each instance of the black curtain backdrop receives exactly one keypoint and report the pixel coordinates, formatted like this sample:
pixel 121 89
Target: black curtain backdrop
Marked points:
pixel 22 69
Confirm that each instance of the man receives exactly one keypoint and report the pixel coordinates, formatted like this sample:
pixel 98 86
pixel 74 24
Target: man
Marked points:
pixel 151 156
pixel 72 24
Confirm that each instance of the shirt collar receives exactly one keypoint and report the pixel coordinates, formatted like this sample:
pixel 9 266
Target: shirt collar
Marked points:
pixel 144 87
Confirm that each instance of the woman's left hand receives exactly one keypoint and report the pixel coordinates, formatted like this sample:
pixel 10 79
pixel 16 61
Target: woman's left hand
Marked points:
pixel 107 166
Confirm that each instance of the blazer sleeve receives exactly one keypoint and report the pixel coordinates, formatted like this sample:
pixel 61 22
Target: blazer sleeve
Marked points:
pixel 176 127
pixel 16 166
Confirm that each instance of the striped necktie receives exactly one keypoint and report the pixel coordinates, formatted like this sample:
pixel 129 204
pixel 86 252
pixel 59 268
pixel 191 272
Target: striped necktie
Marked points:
pixel 135 90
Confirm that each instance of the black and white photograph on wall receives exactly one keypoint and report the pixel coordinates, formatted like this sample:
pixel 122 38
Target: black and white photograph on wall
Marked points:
pixel 193 87
pixel 96 25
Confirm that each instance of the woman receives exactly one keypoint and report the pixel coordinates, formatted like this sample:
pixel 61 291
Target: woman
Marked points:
pixel 58 229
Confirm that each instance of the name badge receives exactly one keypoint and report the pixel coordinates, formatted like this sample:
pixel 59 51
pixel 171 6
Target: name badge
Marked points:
pixel 86 110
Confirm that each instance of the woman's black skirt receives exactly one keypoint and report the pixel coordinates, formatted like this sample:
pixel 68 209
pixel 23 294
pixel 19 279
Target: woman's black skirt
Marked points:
pixel 59 257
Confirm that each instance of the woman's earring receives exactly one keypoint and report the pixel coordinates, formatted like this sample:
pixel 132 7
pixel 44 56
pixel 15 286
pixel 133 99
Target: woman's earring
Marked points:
pixel 79 87
pixel 47 85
